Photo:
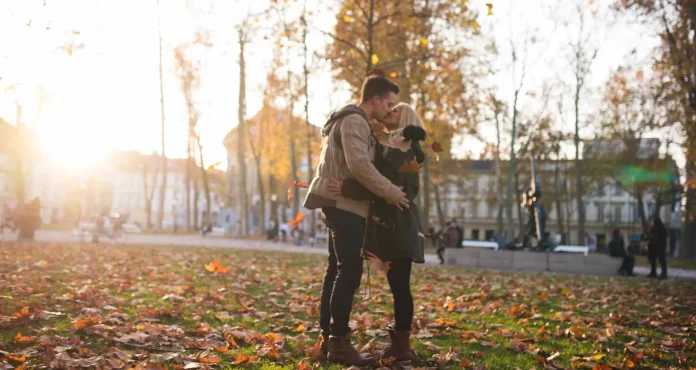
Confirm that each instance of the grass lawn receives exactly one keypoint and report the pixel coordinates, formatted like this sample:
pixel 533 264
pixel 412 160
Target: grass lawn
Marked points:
pixel 122 307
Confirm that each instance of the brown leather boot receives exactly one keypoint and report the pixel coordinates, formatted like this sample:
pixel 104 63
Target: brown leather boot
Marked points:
pixel 324 345
pixel 341 351
pixel 400 348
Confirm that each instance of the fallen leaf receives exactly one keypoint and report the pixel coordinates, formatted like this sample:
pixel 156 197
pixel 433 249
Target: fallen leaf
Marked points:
pixel 24 312
pixel 22 339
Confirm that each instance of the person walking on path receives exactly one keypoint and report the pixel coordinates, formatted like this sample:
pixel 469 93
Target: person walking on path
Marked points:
pixel 657 247
pixel 392 235
pixel 348 147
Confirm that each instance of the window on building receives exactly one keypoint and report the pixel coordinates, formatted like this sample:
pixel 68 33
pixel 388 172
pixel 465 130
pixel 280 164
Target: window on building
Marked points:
pixel 634 213
pixel 617 213
pixel 600 188
pixel 650 209
pixel 491 208
pixel 475 234
pixel 475 184
pixel 475 209
pixel 600 212
pixel 489 234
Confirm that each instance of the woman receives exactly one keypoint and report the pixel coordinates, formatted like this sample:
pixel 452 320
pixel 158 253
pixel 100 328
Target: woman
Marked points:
pixel 657 247
pixel 617 248
pixel 393 235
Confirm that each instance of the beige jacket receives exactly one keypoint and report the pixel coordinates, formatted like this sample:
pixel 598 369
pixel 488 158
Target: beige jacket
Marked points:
pixel 347 151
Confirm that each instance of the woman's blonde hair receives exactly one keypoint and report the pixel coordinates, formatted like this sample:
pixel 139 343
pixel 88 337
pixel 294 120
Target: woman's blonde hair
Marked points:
pixel 408 116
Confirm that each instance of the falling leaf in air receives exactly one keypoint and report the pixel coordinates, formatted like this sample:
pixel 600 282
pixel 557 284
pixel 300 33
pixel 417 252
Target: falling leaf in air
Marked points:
pixel 296 221
pixel 347 18
pixel 212 166
pixel 393 74
pixel 640 75
pixel 437 147
pixel 377 263
pixel 476 25
pixel 375 59
pixel 215 267
pixel 490 8
pixel 19 338
pixel 411 167
pixel 301 184
pixel 423 41
pixel 76 32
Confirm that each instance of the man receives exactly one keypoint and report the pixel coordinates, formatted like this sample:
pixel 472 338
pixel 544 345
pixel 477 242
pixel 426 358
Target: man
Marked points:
pixel 347 152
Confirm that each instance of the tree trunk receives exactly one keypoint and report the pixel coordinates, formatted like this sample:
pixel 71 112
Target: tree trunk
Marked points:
pixel 206 187
pixel 425 180
pixel 274 203
pixel 243 201
pixel 498 179
pixel 262 196
pixel 512 169
pixel 687 244
pixel 148 201
pixel 188 184
pixel 370 36
pixel 557 201
pixel 641 213
pixel 578 164
pixel 20 156
pixel 518 204
pixel 163 186
pixel 310 171
pixel 196 194
pixel 438 207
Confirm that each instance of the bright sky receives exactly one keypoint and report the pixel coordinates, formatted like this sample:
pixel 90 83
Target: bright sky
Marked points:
pixel 107 93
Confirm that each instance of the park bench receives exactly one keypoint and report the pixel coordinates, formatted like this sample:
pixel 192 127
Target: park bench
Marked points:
pixel 572 249
pixel 563 263
pixel 480 244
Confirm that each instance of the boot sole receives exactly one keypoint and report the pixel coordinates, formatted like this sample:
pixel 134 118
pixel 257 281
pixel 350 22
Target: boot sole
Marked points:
pixel 342 362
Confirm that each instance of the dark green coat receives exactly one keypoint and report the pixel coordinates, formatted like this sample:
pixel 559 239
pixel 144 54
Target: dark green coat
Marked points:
pixel 393 234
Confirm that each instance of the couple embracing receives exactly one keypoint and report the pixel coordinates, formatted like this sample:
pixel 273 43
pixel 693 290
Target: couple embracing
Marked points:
pixel 365 186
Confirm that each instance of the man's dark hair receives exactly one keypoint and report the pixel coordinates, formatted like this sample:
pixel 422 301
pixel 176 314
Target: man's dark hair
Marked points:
pixel 377 86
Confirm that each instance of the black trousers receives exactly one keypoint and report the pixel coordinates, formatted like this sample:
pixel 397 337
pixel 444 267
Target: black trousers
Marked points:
pixel 655 253
pixel 399 278
pixel 342 278
pixel 629 261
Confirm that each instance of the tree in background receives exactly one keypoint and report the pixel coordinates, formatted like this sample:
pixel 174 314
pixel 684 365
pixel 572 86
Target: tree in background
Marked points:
pixel 163 183
pixel 188 71
pixel 675 21
pixel 633 108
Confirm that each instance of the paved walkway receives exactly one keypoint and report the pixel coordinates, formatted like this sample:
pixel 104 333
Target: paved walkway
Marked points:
pixel 217 242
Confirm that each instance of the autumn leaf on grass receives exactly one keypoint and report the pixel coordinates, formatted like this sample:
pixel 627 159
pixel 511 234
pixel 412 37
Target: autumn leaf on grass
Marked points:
pixel 17 358
pixel 244 359
pixel 301 184
pixel 215 267
pixel 299 328
pixel 377 263
pixel 410 167
pixel 22 339
pixel 296 221
pixel 24 312
pixel 83 323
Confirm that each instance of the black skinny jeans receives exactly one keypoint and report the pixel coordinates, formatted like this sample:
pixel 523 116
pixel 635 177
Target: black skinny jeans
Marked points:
pixel 342 278
pixel 399 277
